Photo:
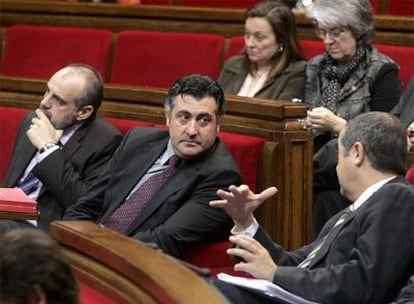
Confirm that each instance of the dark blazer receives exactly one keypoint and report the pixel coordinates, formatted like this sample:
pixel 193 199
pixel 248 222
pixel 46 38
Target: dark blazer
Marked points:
pixel 179 214
pixel 404 110
pixel 285 87
pixel 65 173
pixel 369 260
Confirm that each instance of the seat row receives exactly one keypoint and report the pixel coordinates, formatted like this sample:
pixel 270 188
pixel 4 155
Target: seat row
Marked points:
pixel 133 57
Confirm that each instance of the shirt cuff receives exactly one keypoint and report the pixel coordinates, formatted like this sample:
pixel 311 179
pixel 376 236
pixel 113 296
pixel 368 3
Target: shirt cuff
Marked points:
pixel 250 231
pixel 42 156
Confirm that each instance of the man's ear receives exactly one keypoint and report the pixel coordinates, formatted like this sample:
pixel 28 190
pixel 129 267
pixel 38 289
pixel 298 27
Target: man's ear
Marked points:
pixel 84 113
pixel 358 153
pixel 167 118
pixel 219 120
pixel 36 295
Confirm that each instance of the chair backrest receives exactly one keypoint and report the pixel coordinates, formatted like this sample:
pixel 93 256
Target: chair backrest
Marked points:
pixel 10 119
pixel 39 51
pixel 124 125
pixel 401 7
pixel 403 56
pixel 220 3
pixel 158 59
pixel 312 48
pixel 246 150
pixel 235 47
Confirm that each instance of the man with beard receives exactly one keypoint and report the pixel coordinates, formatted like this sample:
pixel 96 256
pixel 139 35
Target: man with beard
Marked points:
pixel 61 147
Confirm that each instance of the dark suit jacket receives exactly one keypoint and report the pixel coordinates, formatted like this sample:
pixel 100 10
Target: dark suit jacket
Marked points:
pixel 178 215
pixel 370 259
pixel 65 173
pixel 404 110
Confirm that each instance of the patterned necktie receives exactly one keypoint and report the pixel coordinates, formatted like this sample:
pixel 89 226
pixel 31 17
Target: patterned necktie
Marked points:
pixel 122 217
pixel 327 239
pixel 29 184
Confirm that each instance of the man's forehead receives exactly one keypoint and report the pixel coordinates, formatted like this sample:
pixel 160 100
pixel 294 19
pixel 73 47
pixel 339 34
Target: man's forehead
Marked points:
pixel 191 104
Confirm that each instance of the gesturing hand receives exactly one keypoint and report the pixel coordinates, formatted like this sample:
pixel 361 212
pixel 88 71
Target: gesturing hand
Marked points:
pixel 240 203
pixel 257 260
pixel 42 131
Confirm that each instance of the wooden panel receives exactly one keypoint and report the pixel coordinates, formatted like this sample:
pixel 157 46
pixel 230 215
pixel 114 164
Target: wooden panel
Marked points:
pixel 126 270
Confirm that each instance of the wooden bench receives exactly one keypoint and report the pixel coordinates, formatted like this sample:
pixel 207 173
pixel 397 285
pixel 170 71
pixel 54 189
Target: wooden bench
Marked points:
pixel 112 268
pixel 286 159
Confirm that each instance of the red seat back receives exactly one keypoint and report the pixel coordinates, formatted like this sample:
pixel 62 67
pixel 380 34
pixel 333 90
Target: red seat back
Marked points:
pixel 410 175
pixel 158 59
pixel 220 3
pixel 10 119
pixel 39 51
pixel 124 125
pixel 403 56
pixel 401 7
pixel 312 48
pixel 235 47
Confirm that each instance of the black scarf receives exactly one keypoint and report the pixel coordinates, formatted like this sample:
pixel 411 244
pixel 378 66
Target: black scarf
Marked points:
pixel 337 75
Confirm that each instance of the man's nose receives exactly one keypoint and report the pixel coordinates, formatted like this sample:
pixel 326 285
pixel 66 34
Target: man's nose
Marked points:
pixel 192 128
pixel 46 102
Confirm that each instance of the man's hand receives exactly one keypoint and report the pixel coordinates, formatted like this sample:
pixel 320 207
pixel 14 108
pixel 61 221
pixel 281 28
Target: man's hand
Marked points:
pixel 322 119
pixel 257 260
pixel 240 203
pixel 42 131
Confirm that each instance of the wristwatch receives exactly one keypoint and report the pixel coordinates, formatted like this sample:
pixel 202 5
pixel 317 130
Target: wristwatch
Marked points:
pixel 46 147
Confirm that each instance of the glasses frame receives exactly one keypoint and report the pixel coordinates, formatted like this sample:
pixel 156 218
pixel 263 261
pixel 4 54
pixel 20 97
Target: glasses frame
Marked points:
pixel 334 33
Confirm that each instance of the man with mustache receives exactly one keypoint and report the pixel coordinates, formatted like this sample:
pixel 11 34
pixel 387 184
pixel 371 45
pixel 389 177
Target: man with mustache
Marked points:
pixel 61 147
pixel 175 214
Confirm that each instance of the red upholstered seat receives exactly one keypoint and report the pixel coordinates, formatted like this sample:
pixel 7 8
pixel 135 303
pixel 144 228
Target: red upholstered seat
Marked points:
pixel 10 119
pixel 158 59
pixel 235 47
pixel 124 125
pixel 39 51
pixel 89 295
pixel 220 3
pixel 401 7
pixel 246 150
pixel 403 56
pixel 312 48
pixel 410 175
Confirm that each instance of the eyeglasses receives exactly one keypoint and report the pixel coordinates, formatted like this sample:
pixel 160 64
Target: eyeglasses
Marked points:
pixel 334 33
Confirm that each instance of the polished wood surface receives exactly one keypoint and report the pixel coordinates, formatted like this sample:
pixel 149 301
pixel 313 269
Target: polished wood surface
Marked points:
pixel 19 216
pixel 394 30
pixel 286 161
pixel 128 271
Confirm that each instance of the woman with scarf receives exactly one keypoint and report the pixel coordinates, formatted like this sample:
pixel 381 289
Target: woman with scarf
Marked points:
pixel 350 78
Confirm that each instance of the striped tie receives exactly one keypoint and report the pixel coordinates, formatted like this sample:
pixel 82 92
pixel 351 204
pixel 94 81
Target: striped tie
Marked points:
pixel 29 184
pixel 127 212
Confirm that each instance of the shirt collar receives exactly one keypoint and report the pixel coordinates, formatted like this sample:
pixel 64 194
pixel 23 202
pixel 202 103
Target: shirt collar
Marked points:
pixel 368 192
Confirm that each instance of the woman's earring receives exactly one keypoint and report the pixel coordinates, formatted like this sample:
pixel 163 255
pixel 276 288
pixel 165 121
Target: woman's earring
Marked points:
pixel 281 48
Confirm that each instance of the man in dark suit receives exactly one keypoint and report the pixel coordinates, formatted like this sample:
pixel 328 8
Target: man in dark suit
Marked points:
pixel 61 147
pixel 177 214
pixel 364 253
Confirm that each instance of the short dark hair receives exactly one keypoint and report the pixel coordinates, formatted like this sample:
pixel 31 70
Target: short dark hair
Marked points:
pixel 198 86
pixel 93 94
pixel 29 258
pixel 383 137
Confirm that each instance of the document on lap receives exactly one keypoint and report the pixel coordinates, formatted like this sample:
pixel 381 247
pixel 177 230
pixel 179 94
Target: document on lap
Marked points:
pixel 265 288
pixel 15 200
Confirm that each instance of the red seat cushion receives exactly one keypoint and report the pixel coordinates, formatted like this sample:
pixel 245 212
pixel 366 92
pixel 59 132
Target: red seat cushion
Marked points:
pixel 10 119
pixel 158 59
pixel 39 51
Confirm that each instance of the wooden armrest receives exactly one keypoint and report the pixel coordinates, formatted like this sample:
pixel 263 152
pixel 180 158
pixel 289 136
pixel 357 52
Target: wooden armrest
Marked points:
pixel 127 270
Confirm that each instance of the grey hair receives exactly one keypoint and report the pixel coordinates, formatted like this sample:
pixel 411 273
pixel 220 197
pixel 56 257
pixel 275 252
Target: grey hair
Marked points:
pixel 357 15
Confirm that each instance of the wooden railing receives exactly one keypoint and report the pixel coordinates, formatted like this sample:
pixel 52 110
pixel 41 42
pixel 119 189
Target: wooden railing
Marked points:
pixel 127 271
pixel 394 30
pixel 286 160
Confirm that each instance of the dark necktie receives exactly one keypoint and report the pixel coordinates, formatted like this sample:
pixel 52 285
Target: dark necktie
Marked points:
pixel 327 239
pixel 29 184
pixel 122 217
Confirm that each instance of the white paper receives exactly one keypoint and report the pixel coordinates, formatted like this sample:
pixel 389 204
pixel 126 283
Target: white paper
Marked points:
pixel 264 287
